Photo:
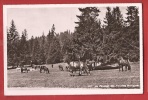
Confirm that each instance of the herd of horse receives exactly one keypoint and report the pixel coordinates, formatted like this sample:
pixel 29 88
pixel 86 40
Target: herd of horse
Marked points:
pixel 87 66
pixel 43 69
pixel 81 67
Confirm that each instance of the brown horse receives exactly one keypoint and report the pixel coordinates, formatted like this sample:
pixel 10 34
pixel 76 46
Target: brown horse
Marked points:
pixel 90 64
pixel 61 68
pixel 24 69
pixel 124 63
pixel 45 69
pixel 67 68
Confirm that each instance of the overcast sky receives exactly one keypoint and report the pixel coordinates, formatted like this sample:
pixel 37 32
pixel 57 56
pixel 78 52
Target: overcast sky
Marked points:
pixel 39 20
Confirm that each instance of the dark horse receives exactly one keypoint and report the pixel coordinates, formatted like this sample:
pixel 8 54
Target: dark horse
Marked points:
pixel 24 69
pixel 61 68
pixel 67 68
pixel 89 64
pixel 124 63
pixel 44 68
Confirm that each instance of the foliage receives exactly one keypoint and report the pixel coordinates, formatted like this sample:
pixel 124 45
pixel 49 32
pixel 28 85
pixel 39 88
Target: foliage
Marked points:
pixel 91 39
pixel 13 45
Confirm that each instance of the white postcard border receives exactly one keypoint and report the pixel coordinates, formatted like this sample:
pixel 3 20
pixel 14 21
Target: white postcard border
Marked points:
pixel 68 91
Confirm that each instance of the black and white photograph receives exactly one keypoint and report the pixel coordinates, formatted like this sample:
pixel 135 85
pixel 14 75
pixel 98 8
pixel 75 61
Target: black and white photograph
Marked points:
pixel 73 49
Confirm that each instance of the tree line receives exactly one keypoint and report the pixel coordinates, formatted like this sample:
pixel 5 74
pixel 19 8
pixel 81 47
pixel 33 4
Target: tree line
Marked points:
pixel 117 36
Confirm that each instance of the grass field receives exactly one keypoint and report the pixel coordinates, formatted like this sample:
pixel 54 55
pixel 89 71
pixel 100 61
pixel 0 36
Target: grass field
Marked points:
pixel 62 79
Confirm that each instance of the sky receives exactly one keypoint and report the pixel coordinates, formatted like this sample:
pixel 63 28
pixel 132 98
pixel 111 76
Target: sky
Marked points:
pixel 39 20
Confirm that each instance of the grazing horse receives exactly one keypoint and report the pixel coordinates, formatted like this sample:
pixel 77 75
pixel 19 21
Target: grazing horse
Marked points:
pixel 44 68
pixel 61 68
pixel 124 63
pixel 24 69
pixel 37 66
pixel 67 68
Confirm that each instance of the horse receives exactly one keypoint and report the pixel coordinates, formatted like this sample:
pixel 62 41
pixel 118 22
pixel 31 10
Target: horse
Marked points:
pixel 67 68
pixel 37 66
pixel 61 68
pixel 90 64
pixel 74 66
pixel 78 66
pixel 124 63
pixel 44 68
pixel 87 67
pixel 24 69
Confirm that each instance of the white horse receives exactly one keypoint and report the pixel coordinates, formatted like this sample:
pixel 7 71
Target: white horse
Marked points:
pixel 78 66
pixel 124 63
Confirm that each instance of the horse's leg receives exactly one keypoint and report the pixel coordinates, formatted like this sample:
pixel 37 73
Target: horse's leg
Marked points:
pixel 91 68
pixel 129 67
pixel 126 67
pixel 75 70
pixel 71 73
pixel 48 70
pixel 80 72
pixel 89 71
pixel 83 70
pixel 119 67
pixel 122 67
pixel 86 71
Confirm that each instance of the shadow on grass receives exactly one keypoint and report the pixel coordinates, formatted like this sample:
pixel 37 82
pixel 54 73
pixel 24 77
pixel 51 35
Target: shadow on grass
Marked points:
pixel 105 68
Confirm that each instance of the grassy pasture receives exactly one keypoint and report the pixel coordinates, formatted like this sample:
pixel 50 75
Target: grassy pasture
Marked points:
pixel 62 79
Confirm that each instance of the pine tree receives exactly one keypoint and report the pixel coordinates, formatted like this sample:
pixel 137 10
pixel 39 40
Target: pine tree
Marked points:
pixel 24 51
pixel 112 45
pixel 49 40
pixel 54 50
pixel 54 55
pixel 36 52
pixel 31 42
pixel 12 45
pixel 42 50
pixel 87 34
pixel 132 32
pixel 65 39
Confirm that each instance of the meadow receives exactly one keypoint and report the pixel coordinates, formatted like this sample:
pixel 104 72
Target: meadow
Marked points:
pixel 62 79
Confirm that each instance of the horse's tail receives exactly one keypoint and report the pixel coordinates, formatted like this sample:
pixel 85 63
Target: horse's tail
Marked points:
pixel 129 66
